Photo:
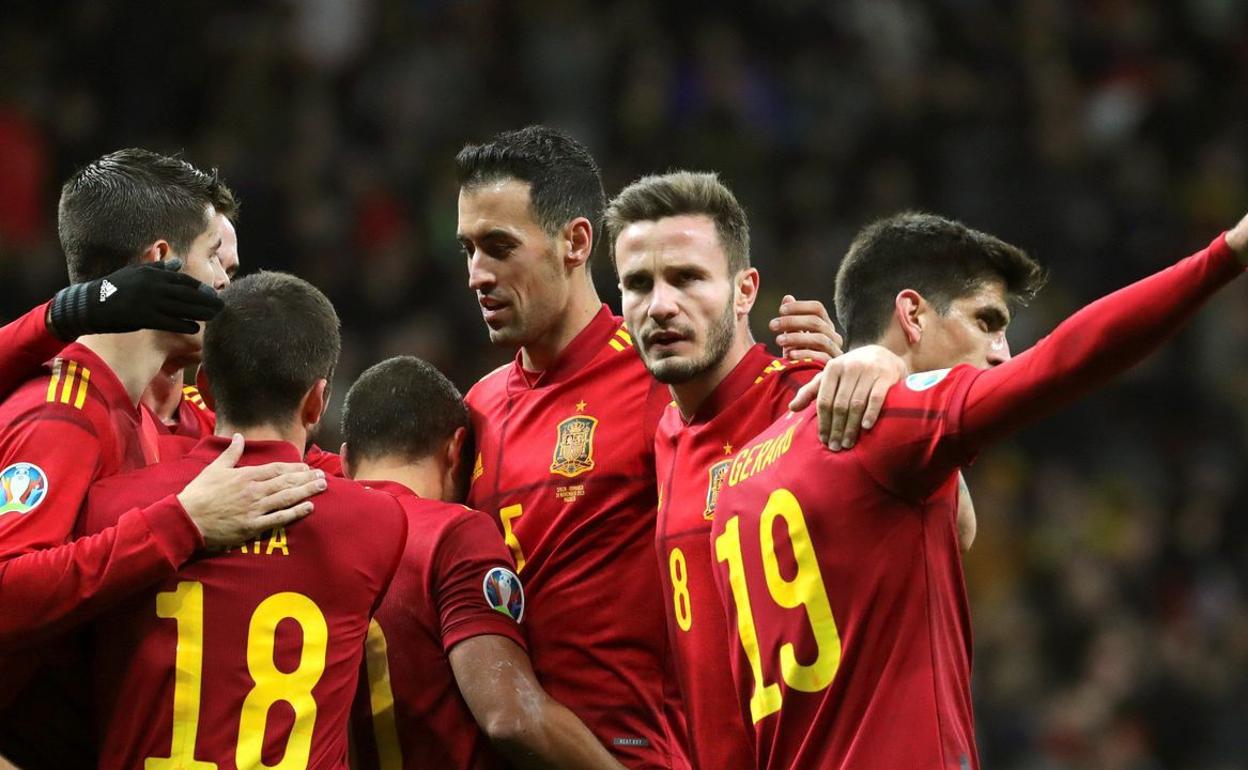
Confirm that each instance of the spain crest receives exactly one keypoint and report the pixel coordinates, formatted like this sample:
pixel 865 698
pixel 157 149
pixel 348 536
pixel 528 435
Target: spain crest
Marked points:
pixel 574 448
pixel 718 472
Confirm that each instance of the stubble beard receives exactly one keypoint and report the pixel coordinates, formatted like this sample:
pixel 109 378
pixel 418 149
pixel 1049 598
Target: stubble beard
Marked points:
pixel 677 370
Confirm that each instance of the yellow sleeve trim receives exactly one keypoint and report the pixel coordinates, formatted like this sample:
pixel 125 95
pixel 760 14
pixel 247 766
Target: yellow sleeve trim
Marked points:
pixel 68 384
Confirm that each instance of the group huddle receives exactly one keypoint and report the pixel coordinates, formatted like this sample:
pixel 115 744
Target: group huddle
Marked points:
pixel 646 542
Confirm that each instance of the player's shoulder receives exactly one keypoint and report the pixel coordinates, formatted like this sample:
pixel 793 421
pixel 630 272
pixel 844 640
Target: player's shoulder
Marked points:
pixel 782 374
pixel 192 396
pixel 490 386
pixel 62 391
pixel 355 499
pixel 930 390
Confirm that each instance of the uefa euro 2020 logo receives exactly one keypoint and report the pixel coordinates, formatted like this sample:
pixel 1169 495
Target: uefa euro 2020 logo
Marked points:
pixel 22 487
pixel 504 592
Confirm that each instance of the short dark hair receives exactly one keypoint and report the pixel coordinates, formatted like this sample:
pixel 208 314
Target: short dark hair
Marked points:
pixel 937 257
pixel 118 205
pixel 564 181
pixel 402 406
pixel 277 336
pixel 684 192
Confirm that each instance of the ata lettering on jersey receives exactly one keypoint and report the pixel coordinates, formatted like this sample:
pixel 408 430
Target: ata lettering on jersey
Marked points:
pixel 22 487
pixel 574 447
pixel 923 380
pixel 718 473
pixel 504 592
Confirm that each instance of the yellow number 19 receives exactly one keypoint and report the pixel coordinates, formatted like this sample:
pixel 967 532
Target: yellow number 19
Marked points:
pixel 804 590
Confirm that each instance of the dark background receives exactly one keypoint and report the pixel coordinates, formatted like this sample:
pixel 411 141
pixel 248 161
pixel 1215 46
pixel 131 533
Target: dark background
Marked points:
pixel 1108 138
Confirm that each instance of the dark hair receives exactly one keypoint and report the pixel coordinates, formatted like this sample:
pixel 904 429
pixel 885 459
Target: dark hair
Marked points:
pixel 564 181
pixel 684 192
pixel 118 205
pixel 937 257
pixel 402 406
pixel 277 336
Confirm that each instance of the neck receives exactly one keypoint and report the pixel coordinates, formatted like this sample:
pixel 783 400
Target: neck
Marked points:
pixel 895 340
pixel 424 477
pixel 690 395
pixel 583 305
pixel 164 393
pixel 135 358
pixel 292 433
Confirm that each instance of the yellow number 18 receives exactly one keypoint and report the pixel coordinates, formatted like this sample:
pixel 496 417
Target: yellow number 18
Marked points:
pixel 804 590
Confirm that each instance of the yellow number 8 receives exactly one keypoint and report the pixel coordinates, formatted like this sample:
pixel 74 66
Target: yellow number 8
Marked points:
pixel 680 589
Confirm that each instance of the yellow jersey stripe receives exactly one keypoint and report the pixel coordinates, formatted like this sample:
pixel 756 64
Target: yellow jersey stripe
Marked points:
pixel 624 335
pixel 81 398
pixel 381 699
pixel 54 381
pixel 615 344
pixel 67 388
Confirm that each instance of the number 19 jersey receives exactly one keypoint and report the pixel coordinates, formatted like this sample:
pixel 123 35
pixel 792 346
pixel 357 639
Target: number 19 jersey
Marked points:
pixel 249 657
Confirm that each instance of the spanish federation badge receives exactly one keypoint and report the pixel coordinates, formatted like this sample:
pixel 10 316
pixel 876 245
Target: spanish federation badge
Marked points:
pixel 574 447
pixel 718 472
pixel 22 487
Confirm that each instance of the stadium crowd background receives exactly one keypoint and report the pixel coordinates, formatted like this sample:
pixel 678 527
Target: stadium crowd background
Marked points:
pixel 1109 581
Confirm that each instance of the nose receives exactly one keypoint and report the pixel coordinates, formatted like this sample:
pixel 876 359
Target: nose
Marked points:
pixel 220 278
pixel 479 278
pixel 998 349
pixel 662 302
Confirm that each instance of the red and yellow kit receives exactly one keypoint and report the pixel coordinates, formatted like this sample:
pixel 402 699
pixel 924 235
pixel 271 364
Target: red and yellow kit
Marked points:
pixel 195 419
pixel 248 657
pixel 566 464
pixel 693 457
pixel 456 582
pixel 25 344
pixel 841 572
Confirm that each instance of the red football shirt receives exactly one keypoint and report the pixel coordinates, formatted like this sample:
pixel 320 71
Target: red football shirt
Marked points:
pixel 565 461
pixel 449 588
pixel 194 420
pixel 841 572
pixel 25 344
pixel 250 655
pixel 693 457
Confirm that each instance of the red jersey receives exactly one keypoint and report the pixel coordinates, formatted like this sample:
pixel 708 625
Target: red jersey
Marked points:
pixel 249 656
pixel 455 583
pixel 693 457
pixel 841 572
pixel 192 421
pixel 25 344
pixel 565 461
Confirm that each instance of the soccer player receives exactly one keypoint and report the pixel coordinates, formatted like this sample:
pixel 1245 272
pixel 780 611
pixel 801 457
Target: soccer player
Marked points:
pixel 447 673
pixel 680 243
pixel 841 570
pixel 249 657
pixel 565 437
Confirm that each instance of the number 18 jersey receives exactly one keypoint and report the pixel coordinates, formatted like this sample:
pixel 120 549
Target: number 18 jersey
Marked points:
pixel 248 657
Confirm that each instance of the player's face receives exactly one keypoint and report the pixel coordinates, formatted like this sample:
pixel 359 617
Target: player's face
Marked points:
pixel 971 332
pixel 513 265
pixel 206 260
pixel 677 295
pixel 227 255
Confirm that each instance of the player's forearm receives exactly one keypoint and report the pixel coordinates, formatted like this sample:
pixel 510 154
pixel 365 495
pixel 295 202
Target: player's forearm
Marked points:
pixel 553 737
pixel 1100 341
pixel 46 592
pixel 24 345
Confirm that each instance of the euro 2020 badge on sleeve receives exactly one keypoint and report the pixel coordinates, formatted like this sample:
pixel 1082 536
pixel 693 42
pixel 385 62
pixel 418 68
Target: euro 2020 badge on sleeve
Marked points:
pixel 22 487
pixel 504 592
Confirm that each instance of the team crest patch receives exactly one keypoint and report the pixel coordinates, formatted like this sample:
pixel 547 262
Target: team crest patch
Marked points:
pixel 925 380
pixel 718 472
pixel 504 592
pixel 574 448
pixel 22 487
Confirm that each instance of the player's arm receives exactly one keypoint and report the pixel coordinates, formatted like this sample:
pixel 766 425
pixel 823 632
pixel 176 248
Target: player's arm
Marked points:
pixel 849 393
pixel 48 585
pixel 525 725
pixel 967 523
pixel 1097 343
pixel 24 345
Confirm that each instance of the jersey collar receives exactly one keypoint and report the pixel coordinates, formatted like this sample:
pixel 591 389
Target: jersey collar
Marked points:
pixel 580 351
pixel 254 452
pixel 390 487
pixel 739 380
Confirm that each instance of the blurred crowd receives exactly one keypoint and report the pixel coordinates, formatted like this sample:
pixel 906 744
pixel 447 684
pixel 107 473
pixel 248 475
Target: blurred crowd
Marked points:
pixel 1107 137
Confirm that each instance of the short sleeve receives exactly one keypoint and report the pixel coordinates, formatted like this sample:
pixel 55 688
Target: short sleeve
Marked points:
pixel 476 589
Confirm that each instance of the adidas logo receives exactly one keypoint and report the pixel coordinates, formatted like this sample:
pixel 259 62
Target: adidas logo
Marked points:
pixel 107 290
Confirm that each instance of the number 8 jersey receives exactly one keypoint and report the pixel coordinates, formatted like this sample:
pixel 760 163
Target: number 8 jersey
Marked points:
pixel 246 658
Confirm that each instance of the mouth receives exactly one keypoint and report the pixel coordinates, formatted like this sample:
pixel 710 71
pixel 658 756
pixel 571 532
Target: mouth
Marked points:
pixel 492 309
pixel 664 340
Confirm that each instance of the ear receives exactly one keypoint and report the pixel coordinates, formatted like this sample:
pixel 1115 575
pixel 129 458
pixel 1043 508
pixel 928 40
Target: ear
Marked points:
pixel 313 407
pixel 344 454
pixel 157 252
pixel 204 385
pixel 579 235
pixel 454 452
pixel 909 308
pixel 746 290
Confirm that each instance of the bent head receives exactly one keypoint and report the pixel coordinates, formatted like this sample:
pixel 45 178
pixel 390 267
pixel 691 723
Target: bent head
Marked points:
pixel 271 352
pixel 529 201
pixel 933 290
pixel 403 411
pixel 681 247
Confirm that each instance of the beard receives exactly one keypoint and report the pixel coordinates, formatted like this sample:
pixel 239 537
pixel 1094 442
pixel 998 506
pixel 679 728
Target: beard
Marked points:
pixel 676 370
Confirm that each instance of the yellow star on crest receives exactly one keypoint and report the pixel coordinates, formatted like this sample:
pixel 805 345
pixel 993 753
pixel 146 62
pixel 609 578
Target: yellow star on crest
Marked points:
pixel 580 405
pixel 727 449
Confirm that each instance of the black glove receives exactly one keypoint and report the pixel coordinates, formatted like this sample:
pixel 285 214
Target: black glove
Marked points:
pixel 151 296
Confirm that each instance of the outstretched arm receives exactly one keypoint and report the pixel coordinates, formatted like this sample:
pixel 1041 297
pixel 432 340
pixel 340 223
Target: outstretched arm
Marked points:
pixel 524 724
